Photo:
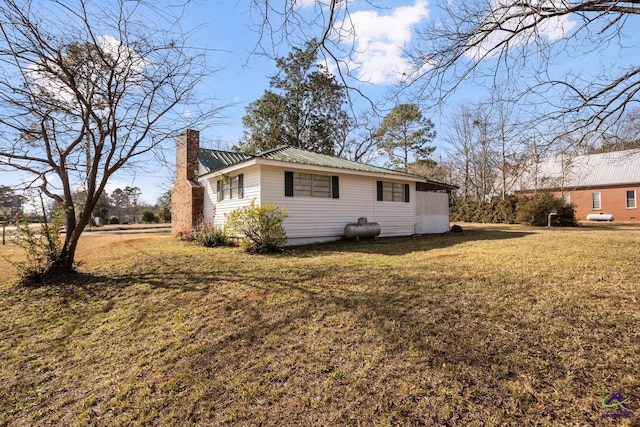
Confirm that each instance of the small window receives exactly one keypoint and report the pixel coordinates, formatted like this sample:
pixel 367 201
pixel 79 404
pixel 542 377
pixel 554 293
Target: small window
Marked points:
pixel 392 192
pixel 230 188
pixel 631 199
pixel 310 185
pixel 595 201
pixel 317 185
pixel 566 199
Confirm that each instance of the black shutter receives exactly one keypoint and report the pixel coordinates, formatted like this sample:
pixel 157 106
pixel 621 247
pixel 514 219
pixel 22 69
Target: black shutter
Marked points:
pixel 379 187
pixel 406 193
pixel 335 187
pixel 219 190
pixel 288 184
pixel 240 186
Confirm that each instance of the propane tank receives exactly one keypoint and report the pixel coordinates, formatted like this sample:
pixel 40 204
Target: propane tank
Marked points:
pixel 362 229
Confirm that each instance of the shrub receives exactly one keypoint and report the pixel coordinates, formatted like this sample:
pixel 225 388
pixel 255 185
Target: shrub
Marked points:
pixel 210 235
pixel 260 228
pixel 534 210
pixel 147 216
pixel 114 220
pixel 495 211
pixel 503 211
pixel 42 249
pixel 164 213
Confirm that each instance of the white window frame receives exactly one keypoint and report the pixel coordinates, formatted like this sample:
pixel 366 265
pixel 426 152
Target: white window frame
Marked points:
pixel 388 191
pixel 628 199
pixel 593 201
pixel 229 188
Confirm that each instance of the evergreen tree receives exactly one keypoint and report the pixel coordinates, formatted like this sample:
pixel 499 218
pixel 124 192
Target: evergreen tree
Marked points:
pixel 305 108
pixel 403 132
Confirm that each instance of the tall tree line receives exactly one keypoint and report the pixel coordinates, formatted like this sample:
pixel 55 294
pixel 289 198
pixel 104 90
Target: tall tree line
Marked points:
pixel 307 107
pixel 483 43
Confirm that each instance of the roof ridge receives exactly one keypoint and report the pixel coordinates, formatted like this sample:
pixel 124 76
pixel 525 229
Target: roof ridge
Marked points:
pixel 290 154
pixel 272 151
pixel 225 151
pixel 608 155
pixel 349 164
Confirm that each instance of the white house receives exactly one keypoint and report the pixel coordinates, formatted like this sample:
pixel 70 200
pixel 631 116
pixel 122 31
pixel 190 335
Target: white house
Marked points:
pixel 321 193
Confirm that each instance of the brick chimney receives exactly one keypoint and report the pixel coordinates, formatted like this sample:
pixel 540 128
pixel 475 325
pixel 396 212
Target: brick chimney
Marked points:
pixel 187 196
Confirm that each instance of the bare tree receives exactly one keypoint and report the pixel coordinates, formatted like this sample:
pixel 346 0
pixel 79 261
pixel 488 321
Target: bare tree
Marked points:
pixel 528 44
pixel 461 139
pixel 475 152
pixel 489 41
pixel 325 22
pixel 359 143
pixel 289 22
pixel 510 146
pixel 86 87
pixel 435 170
pixel 623 135
pixel 484 157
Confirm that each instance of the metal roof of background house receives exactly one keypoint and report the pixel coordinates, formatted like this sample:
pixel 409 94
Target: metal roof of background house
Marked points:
pixel 603 169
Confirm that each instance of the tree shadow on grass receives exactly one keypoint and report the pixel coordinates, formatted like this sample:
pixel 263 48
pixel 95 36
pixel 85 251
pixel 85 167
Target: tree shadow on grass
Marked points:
pixel 82 284
pixel 408 244
pixel 169 273
pixel 74 286
pixel 307 330
pixel 440 337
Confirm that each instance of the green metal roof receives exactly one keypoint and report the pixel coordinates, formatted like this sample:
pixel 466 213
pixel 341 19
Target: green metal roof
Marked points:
pixel 214 160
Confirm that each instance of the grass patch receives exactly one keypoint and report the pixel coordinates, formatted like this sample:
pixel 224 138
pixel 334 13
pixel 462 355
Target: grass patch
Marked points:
pixel 494 326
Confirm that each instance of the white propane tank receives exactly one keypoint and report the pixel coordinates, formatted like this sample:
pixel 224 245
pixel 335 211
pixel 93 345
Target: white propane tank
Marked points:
pixel 600 217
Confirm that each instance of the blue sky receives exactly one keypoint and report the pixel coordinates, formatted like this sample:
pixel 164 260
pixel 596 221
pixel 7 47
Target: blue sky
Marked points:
pixel 242 75
pixel 224 27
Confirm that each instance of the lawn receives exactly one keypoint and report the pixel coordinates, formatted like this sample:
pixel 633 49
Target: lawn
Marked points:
pixel 498 325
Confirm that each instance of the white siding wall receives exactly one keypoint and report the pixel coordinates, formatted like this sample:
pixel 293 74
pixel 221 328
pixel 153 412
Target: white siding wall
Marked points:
pixel 315 219
pixel 320 219
pixel 432 215
pixel 251 191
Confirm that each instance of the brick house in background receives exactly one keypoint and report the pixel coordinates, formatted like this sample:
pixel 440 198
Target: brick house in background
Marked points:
pixel 322 194
pixel 597 184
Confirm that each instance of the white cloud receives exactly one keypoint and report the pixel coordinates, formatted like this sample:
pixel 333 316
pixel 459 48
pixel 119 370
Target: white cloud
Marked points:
pixel 305 3
pixel 379 41
pixel 511 18
pixel 112 184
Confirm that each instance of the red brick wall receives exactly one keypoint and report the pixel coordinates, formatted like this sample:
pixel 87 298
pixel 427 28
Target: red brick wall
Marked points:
pixel 612 201
pixel 187 196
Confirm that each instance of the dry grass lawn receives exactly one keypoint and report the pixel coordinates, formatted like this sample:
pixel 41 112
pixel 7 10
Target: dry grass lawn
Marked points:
pixel 498 325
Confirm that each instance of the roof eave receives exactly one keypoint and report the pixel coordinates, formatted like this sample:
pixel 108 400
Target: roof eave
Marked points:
pixel 258 160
